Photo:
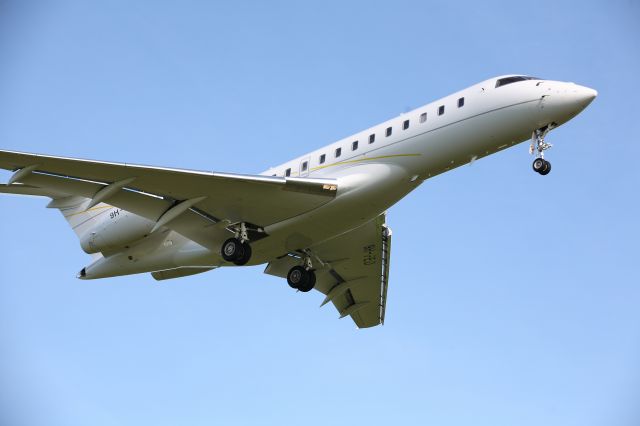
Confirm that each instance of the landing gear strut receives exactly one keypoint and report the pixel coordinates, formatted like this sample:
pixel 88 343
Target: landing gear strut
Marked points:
pixel 302 278
pixel 237 250
pixel 538 147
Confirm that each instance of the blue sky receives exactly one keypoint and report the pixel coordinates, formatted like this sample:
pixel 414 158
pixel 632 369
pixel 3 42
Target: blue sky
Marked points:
pixel 513 298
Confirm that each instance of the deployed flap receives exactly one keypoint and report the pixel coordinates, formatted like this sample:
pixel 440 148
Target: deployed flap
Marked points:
pixel 261 200
pixel 355 273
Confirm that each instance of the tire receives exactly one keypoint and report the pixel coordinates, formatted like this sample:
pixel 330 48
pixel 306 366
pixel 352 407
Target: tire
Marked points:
pixel 547 168
pixel 538 165
pixel 244 254
pixel 311 282
pixel 230 249
pixel 297 277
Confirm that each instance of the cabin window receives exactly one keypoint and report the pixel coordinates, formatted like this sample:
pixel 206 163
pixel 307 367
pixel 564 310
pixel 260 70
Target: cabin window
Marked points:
pixel 354 145
pixel 338 152
pixel 460 102
pixel 372 138
pixel 441 110
pixel 423 117
pixel 405 125
pixel 389 131
pixel 305 166
pixel 287 172
pixel 322 158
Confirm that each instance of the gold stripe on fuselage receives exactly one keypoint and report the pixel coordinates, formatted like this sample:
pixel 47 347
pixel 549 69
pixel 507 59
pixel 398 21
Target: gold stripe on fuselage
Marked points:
pixel 87 211
pixel 313 169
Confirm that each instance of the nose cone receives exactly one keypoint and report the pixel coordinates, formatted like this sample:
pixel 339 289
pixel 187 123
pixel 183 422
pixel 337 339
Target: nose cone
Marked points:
pixel 583 96
pixel 565 101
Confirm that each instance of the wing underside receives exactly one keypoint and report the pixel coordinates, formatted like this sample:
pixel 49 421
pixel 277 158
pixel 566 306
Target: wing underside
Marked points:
pixel 352 271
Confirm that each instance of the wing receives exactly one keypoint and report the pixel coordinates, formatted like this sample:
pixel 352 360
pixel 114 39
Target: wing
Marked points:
pixel 150 192
pixel 352 271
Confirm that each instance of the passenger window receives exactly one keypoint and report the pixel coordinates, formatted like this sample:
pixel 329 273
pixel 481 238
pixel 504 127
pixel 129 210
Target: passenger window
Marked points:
pixel 372 138
pixel 441 110
pixel 423 117
pixel 354 145
pixel 460 102
pixel 338 152
pixel 322 158
pixel 389 131
pixel 304 166
pixel 287 172
pixel 405 125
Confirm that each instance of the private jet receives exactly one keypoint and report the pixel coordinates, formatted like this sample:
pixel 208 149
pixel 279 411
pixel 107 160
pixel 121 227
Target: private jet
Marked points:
pixel 319 220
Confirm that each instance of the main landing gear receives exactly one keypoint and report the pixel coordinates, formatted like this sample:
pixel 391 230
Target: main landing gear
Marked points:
pixel 237 249
pixel 302 278
pixel 538 147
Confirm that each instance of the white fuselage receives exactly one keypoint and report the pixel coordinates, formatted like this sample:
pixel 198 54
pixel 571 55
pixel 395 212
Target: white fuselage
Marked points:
pixel 372 175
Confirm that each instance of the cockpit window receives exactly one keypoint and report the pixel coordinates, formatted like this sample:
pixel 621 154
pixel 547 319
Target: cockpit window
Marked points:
pixel 514 79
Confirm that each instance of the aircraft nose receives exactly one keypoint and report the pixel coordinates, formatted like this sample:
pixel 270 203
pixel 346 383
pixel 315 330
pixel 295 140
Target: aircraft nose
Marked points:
pixel 561 101
pixel 584 95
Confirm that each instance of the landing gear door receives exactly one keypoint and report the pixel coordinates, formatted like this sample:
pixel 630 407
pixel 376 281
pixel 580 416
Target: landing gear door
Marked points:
pixel 305 165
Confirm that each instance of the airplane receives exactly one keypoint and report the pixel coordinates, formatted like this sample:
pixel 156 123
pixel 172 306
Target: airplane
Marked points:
pixel 318 220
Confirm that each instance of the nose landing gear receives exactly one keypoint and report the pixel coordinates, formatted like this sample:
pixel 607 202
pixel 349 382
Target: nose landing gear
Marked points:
pixel 541 166
pixel 538 147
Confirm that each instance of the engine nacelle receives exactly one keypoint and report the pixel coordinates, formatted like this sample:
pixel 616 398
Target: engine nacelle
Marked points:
pixel 115 232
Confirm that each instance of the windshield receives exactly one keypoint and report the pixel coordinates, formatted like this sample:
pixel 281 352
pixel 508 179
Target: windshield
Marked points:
pixel 514 79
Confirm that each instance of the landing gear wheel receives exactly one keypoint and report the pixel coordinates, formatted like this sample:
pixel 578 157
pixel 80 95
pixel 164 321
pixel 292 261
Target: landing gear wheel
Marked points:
pixel 538 165
pixel 301 279
pixel 244 254
pixel 297 277
pixel 235 251
pixel 230 249
pixel 546 169
pixel 311 282
pixel 541 166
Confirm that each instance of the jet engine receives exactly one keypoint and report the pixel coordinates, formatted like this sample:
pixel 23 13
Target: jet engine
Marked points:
pixel 115 232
